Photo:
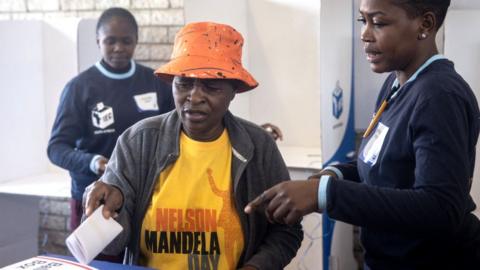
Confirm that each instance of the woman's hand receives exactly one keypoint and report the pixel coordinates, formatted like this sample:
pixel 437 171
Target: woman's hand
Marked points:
pixel 100 193
pixel 101 165
pixel 287 202
pixel 274 131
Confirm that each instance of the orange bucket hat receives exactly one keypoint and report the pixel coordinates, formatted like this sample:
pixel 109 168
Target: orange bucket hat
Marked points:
pixel 208 50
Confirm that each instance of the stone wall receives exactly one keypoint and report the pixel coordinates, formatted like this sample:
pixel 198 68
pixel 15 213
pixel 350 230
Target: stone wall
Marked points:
pixel 53 225
pixel 158 20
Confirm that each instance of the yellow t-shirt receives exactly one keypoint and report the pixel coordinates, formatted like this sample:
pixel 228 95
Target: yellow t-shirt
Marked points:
pixel 192 222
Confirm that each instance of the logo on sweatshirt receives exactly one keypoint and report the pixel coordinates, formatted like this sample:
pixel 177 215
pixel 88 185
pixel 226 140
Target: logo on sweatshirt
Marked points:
pixel 337 101
pixel 102 117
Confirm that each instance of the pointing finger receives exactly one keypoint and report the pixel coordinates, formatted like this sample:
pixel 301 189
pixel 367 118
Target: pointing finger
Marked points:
pixel 257 202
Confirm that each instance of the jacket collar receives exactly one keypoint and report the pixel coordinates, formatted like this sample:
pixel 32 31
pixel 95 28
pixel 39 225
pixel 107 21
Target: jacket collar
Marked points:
pixel 242 145
pixel 168 144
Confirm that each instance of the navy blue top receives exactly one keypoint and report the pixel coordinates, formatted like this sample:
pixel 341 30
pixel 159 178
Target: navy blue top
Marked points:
pixel 95 108
pixel 410 190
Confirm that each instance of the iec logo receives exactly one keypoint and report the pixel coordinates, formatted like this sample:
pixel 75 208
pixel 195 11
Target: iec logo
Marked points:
pixel 337 101
pixel 102 116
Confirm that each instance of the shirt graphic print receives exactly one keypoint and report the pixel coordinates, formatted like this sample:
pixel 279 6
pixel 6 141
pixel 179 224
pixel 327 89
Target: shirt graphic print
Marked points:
pixel 192 222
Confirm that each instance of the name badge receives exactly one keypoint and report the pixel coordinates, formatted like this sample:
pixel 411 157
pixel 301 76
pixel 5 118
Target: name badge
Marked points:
pixel 371 151
pixel 146 102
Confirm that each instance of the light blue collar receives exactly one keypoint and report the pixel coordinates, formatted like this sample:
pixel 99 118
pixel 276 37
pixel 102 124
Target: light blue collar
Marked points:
pixel 420 69
pixel 117 76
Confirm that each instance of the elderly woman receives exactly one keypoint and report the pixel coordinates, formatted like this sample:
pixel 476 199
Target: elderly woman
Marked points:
pixel 178 182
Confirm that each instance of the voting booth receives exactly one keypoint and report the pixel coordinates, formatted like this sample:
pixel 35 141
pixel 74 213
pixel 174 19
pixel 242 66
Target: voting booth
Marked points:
pixel 39 62
pixel 40 57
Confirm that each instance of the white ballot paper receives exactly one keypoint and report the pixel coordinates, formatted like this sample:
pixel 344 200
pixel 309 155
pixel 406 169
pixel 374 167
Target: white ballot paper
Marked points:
pixel 92 236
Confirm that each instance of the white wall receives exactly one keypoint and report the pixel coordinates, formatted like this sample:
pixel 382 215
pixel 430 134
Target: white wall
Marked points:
pixel 284 57
pixel 23 137
pixel 37 65
pixel 231 12
pixel 87 48
pixel 59 61
pixel 282 53
pixel 286 15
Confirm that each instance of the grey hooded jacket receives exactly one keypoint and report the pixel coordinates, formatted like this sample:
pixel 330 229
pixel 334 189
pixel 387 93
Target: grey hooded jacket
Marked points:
pixel 148 147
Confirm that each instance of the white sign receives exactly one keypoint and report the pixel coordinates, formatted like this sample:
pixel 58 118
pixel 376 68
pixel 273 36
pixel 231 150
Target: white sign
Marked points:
pixel 44 262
